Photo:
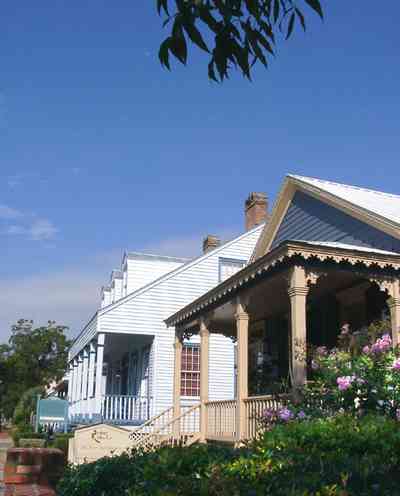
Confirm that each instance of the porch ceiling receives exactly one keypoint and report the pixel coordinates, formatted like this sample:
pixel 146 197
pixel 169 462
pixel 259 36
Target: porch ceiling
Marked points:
pixel 269 271
pixel 118 344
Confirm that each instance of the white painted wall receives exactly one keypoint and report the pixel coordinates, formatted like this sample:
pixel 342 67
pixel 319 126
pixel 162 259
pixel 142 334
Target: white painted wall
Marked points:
pixel 105 296
pixel 171 284
pixel 141 269
pixel 144 311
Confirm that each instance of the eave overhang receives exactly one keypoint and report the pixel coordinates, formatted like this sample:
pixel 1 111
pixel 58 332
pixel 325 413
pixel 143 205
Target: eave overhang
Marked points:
pixel 285 255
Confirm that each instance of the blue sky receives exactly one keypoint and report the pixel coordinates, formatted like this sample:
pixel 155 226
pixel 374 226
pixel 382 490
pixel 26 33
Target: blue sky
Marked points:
pixel 102 150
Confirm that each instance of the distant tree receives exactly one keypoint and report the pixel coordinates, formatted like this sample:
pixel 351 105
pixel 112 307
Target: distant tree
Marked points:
pixel 34 357
pixel 235 33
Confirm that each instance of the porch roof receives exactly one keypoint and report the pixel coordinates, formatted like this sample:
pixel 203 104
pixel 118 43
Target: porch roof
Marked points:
pixel 282 256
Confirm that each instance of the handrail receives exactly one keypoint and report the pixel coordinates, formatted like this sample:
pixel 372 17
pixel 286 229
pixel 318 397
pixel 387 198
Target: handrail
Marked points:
pixel 150 422
pixel 179 417
pixel 148 440
pixel 264 397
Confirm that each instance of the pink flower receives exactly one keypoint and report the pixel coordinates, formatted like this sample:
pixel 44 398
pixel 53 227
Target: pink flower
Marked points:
pixel 344 382
pixel 285 414
pixel 396 364
pixel 366 350
pixel 269 414
pixel 382 344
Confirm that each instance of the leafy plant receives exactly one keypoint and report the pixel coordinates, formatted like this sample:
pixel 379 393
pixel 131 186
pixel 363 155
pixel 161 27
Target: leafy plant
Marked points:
pixel 235 33
pixel 34 357
pixel 340 456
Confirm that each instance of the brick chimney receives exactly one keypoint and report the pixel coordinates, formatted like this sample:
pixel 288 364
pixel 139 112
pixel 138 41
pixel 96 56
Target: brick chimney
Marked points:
pixel 256 210
pixel 210 242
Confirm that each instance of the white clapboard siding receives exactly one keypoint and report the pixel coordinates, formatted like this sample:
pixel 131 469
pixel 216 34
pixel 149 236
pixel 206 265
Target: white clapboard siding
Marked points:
pixel 141 269
pixel 87 334
pixel 144 311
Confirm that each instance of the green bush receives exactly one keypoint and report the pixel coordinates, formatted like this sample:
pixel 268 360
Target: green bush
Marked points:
pixel 339 456
pixel 25 431
pixel 26 406
pixel 106 477
pixel 60 441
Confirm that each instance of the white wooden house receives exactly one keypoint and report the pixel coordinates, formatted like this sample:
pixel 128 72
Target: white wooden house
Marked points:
pixel 329 255
pixel 121 365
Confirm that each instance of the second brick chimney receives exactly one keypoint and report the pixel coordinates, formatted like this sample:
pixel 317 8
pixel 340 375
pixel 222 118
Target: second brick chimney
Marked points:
pixel 210 242
pixel 256 210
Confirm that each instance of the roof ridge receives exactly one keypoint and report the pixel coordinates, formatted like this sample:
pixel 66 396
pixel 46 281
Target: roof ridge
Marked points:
pixel 348 186
pixel 186 265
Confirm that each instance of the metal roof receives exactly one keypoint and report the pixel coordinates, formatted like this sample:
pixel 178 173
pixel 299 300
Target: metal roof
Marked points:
pixel 384 205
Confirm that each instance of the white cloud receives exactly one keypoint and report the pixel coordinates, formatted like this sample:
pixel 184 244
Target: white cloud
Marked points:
pixel 42 229
pixel 29 225
pixel 9 213
pixel 68 297
pixel 71 296
pixel 189 247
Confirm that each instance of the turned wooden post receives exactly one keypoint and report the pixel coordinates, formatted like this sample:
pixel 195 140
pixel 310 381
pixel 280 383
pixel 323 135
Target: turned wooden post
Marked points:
pixel 298 291
pixel 242 326
pixel 204 376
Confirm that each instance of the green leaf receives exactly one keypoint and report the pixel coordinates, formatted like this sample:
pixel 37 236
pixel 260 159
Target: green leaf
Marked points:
pixel 162 5
pixel 179 49
pixel 206 16
pixel 276 10
pixel 211 72
pixel 163 53
pixel 315 5
pixel 265 43
pixel 177 45
pixel 301 17
pixel 195 35
pixel 291 25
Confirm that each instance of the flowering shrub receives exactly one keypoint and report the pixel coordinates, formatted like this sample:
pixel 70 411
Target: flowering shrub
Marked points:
pixel 358 383
pixel 360 376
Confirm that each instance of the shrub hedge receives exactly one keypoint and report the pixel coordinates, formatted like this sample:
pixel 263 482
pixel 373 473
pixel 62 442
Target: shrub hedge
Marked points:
pixel 341 456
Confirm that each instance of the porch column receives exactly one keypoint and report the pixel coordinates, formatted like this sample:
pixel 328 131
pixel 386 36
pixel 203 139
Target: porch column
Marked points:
pixel 75 381
pixel 70 373
pixel 177 381
pixel 85 370
pixel 99 373
pixel 92 365
pixel 80 382
pixel 298 291
pixel 204 375
pixel 394 305
pixel 242 326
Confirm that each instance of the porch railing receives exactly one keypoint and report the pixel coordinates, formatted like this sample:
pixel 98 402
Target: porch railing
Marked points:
pixel 255 407
pixel 221 419
pixel 124 408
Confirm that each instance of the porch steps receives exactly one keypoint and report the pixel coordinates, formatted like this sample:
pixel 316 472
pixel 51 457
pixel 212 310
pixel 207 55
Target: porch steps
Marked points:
pixel 167 430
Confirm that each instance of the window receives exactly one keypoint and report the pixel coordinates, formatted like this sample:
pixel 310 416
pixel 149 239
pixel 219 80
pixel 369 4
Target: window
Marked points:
pixel 190 375
pixel 228 267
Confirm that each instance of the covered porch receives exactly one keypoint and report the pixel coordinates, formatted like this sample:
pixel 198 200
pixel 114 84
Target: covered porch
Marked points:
pixel 276 310
pixel 111 380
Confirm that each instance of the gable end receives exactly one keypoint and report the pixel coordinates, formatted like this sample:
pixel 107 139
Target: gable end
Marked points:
pixel 309 219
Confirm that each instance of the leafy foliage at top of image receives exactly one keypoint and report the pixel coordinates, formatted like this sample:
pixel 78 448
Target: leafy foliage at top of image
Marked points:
pixel 235 33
